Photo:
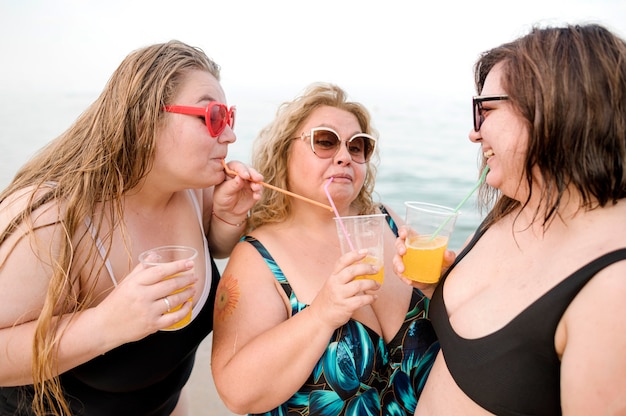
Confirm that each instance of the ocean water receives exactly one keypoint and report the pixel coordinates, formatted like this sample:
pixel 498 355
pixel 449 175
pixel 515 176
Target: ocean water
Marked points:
pixel 425 153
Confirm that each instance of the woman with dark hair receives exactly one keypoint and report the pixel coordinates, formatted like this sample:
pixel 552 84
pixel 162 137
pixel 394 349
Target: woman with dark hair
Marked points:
pixel 531 315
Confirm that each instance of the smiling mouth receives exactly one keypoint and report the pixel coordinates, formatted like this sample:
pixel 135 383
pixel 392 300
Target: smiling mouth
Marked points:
pixel 489 153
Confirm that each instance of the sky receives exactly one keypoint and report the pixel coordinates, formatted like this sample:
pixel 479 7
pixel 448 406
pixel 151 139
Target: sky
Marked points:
pixel 397 45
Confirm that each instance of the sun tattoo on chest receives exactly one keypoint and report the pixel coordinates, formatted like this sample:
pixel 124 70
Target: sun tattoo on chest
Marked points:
pixel 227 297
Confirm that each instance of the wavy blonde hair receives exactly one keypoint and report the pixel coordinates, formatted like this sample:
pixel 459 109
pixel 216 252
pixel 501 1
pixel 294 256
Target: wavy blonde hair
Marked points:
pixel 106 152
pixel 272 149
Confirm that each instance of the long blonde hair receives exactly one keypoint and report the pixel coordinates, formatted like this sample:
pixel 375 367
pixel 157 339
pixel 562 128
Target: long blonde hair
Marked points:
pixel 273 146
pixel 105 153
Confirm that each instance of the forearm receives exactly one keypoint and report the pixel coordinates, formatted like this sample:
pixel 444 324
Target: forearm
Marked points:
pixel 81 339
pixel 225 230
pixel 272 366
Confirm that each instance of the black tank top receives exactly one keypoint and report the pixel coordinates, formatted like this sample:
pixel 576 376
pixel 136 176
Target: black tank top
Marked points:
pixel 139 378
pixel 515 370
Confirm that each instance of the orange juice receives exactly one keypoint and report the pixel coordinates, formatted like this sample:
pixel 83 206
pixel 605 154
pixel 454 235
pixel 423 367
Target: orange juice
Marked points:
pixel 166 254
pixel 183 322
pixel 379 276
pixel 423 258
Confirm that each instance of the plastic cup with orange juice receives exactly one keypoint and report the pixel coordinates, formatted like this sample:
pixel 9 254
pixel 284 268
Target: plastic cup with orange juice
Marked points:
pixel 166 254
pixel 430 227
pixel 364 232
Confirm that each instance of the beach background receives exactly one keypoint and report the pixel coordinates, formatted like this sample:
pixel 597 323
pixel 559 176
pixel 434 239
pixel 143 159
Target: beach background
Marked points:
pixel 409 63
pixel 424 155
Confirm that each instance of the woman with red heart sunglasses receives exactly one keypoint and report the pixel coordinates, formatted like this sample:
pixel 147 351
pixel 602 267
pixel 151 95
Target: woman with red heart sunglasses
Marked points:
pixel 81 321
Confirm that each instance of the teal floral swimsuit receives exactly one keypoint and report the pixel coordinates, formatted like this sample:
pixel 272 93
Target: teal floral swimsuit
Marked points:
pixel 358 374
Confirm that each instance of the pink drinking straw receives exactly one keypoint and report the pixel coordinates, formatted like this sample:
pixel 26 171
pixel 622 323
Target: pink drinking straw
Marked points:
pixel 332 203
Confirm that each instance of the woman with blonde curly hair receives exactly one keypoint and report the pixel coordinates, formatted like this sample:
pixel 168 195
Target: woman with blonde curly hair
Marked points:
pixel 80 320
pixel 295 332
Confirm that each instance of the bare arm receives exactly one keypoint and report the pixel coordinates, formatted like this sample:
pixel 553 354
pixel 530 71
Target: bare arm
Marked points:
pixel 25 274
pixel 226 208
pixel 592 339
pixel 89 333
pixel 255 342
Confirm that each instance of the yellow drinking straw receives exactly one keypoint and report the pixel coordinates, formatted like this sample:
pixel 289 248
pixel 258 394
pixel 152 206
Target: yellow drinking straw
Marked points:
pixel 284 191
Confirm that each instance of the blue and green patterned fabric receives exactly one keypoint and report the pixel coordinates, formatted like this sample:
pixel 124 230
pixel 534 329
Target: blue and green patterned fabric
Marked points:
pixel 359 374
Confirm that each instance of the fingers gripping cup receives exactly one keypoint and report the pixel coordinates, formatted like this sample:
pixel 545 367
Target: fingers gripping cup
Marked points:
pixel 364 232
pixel 430 229
pixel 166 254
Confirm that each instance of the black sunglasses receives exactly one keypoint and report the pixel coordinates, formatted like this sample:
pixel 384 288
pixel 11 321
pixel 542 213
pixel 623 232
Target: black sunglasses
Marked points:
pixel 477 107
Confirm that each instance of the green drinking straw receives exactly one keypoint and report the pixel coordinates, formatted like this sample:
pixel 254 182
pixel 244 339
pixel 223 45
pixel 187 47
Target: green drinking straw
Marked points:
pixel 458 207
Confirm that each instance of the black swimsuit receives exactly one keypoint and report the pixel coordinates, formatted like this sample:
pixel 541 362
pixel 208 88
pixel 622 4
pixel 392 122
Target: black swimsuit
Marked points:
pixel 515 370
pixel 139 378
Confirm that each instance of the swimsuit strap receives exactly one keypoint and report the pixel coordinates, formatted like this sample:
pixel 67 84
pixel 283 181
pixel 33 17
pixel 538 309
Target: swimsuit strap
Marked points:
pixel 390 221
pixel 208 267
pixel 101 249
pixel 296 306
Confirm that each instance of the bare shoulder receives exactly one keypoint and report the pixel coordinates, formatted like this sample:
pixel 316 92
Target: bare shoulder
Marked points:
pixel 44 210
pixel 606 289
pixel 27 248
pixel 246 279
pixel 247 262
pixel 248 302
pixel 609 284
pixel 596 312
pixel 593 351
pixel 594 345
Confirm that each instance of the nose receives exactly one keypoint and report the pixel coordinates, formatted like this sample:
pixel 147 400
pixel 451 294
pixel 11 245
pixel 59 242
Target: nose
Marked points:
pixel 475 136
pixel 227 136
pixel 342 156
